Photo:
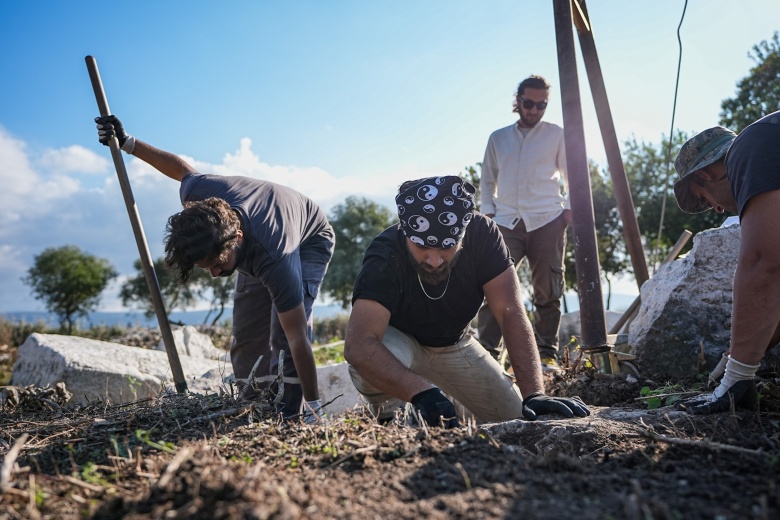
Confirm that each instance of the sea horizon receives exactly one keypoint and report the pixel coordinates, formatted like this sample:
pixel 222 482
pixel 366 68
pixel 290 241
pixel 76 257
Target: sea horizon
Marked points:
pixel 134 318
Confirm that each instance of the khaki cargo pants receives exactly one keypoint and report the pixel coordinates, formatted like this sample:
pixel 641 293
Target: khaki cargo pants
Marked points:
pixel 464 371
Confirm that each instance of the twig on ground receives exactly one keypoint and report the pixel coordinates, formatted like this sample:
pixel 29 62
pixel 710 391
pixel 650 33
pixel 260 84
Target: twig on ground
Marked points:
pixel 81 483
pixel 172 468
pixel 466 479
pixel 716 446
pixel 644 397
pixel 10 460
pixel 322 407
pixel 353 454
pixel 223 413
pixel 251 378
pixel 280 380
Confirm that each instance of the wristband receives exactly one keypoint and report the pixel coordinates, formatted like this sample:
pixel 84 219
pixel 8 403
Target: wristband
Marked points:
pixel 735 371
pixel 129 145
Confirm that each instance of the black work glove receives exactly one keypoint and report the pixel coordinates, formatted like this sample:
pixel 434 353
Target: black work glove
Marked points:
pixel 110 126
pixel 742 393
pixel 540 404
pixel 435 409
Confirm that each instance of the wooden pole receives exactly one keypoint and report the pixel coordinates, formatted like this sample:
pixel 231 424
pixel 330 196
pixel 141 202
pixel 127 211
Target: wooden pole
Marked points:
pixel 138 232
pixel 594 329
pixel 620 187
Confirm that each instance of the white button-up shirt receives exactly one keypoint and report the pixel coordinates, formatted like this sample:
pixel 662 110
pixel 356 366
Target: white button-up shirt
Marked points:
pixel 524 177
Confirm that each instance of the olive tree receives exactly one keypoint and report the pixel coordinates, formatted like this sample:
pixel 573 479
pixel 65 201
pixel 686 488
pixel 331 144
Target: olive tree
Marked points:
pixel 69 282
pixel 355 223
pixel 135 291
pixel 758 93
pixel 217 291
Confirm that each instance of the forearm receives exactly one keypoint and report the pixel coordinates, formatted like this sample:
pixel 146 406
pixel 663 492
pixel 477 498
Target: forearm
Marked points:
pixel 305 366
pixel 167 163
pixel 382 370
pixel 755 311
pixel 523 353
pixel 505 300
pixel 295 329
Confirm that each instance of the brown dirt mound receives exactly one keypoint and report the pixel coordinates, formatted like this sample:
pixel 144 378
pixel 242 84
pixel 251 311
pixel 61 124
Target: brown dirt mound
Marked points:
pixel 216 457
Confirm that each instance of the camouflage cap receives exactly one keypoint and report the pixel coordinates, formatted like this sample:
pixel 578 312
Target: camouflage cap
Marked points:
pixel 699 152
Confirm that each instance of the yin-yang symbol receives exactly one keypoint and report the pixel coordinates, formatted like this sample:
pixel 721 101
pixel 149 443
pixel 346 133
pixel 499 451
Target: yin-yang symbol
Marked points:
pixel 454 231
pixel 448 242
pixel 467 218
pixel 467 204
pixel 427 192
pixel 428 208
pixel 419 223
pixel 401 209
pixel 440 180
pixel 417 240
pixel 448 218
pixel 449 201
pixel 409 199
pixel 457 190
pixel 432 240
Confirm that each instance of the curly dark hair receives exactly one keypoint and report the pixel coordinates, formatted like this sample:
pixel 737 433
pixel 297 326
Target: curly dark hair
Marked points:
pixel 204 231
pixel 537 82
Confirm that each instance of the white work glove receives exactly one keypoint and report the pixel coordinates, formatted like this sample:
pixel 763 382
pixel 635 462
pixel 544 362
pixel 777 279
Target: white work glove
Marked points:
pixel 719 369
pixel 736 387
pixel 312 411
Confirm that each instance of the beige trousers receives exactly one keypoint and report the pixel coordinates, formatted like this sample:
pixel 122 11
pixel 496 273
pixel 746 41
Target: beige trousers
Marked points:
pixel 464 371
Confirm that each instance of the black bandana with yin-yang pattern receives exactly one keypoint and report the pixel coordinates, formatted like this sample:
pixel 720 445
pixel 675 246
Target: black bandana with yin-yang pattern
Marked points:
pixel 434 212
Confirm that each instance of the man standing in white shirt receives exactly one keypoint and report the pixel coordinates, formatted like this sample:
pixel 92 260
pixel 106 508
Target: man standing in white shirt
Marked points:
pixel 523 187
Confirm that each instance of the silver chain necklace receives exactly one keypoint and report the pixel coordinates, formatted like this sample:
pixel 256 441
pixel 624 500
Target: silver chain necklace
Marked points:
pixel 443 292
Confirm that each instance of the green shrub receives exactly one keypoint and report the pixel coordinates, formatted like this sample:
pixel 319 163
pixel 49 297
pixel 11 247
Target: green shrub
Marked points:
pixel 328 330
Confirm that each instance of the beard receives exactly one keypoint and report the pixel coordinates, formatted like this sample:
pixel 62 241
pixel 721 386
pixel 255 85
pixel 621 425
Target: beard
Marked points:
pixel 240 253
pixel 530 121
pixel 433 276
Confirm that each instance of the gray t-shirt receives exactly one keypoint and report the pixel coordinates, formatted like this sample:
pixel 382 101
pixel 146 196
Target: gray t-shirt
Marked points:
pixel 280 225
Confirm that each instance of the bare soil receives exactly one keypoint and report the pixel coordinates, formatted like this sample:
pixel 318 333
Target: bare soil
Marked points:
pixel 215 457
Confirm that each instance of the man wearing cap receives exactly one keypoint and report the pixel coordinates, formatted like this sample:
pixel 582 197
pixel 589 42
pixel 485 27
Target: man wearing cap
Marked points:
pixel 523 173
pixel 421 283
pixel 718 169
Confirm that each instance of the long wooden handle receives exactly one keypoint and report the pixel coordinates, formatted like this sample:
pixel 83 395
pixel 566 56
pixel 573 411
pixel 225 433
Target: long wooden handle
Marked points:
pixel 138 232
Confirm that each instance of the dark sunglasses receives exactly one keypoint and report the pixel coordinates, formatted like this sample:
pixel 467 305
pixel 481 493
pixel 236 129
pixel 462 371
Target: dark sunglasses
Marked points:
pixel 528 104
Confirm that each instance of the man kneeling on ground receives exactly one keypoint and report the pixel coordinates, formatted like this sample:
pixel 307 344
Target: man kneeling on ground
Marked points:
pixel 422 282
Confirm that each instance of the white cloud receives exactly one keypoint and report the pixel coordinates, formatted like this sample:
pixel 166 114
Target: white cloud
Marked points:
pixel 73 159
pixel 314 182
pixel 45 205
pixel 25 191
pixel 16 176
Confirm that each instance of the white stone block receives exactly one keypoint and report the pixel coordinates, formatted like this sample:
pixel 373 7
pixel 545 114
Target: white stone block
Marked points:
pixel 190 342
pixel 94 369
pixel 332 381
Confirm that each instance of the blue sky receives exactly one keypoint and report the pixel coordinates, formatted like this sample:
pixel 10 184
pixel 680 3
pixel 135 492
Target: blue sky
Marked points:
pixel 332 98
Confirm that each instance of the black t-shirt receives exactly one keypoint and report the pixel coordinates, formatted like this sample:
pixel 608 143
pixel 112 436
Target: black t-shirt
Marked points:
pixel 753 160
pixel 389 278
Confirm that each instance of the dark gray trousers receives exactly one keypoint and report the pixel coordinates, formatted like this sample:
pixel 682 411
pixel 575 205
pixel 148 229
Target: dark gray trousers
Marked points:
pixel 258 332
pixel 544 248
